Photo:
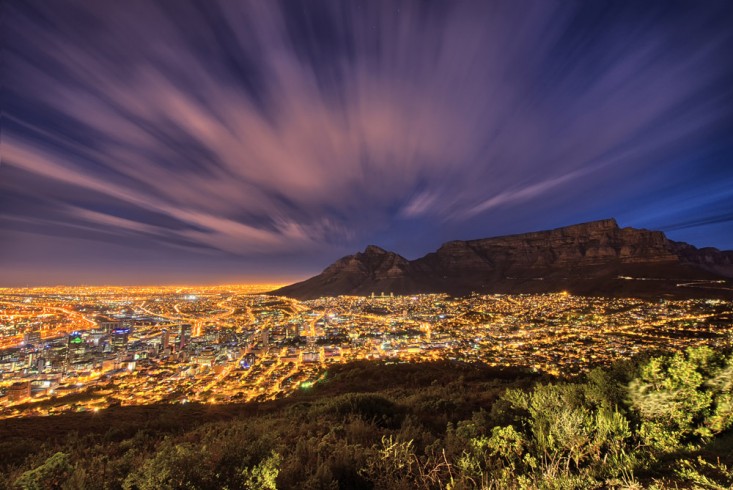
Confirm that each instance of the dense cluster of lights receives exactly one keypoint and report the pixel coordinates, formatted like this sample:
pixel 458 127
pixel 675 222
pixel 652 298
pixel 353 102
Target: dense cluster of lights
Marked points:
pixel 83 349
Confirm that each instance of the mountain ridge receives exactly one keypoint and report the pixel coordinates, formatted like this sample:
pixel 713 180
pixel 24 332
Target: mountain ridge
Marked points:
pixel 596 257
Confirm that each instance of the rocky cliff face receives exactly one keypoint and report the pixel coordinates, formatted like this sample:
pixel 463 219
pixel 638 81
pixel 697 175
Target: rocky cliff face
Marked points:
pixel 373 270
pixel 587 244
pixel 373 262
pixel 587 258
pixel 708 258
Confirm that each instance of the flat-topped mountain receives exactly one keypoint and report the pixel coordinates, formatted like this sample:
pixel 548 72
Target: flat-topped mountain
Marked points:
pixel 587 258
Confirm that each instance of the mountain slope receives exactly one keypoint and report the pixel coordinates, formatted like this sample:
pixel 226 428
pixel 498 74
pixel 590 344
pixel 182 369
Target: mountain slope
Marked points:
pixel 588 258
pixel 374 269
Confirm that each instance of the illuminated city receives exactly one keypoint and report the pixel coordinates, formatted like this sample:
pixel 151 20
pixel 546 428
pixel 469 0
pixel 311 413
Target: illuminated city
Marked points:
pixel 366 244
pixel 81 349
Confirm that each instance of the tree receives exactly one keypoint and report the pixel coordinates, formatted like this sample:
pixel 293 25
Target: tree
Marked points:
pixel 173 466
pixel 51 474
pixel 682 399
pixel 263 475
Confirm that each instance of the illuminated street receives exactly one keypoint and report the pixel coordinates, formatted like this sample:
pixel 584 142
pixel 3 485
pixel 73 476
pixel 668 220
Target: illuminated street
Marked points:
pixel 78 349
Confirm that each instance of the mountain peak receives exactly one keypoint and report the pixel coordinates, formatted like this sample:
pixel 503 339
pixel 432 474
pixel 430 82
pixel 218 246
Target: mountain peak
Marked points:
pixel 601 225
pixel 609 223
pixel 375 250
pixel 595 258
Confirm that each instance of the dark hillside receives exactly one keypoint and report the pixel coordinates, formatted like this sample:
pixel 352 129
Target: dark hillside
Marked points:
pixel 385 426
pixel 596 258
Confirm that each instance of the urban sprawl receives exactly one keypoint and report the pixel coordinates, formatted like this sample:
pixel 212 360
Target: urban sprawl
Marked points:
pixel 85 349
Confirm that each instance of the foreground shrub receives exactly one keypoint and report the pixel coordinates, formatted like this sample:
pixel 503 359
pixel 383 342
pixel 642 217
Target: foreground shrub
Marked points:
pixel 683 399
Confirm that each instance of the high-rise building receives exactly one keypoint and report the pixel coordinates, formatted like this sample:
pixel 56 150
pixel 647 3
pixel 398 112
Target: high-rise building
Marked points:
pixel 76 347
pixel 165 338
pixel 120 337
pixel 108 325
pixel 32 338
pixel 184 336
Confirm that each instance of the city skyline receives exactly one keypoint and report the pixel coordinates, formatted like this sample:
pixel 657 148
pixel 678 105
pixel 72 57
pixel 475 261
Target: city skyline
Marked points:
pixel 69 348
pixel 366 244
pixel 220 143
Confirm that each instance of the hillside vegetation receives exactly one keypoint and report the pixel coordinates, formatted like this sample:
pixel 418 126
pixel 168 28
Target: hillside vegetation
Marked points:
pixel 659 422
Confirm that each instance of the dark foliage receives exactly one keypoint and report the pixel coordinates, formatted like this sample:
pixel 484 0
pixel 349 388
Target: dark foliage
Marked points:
pixel 661 421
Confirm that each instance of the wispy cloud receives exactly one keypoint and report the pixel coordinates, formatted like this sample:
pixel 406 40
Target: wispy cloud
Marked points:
pixel 267 128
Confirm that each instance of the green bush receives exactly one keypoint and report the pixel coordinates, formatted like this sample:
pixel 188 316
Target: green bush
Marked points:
pixel 51 474
pixel 683 399
pixel 368 406
pixel 665 421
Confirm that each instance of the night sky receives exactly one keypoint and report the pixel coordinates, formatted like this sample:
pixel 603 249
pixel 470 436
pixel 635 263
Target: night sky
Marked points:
pixel 219 142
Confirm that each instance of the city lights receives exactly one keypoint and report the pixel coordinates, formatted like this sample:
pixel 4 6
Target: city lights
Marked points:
pixel 84 349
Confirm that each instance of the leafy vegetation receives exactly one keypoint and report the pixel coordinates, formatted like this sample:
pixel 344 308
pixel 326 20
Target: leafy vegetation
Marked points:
pixel 659 422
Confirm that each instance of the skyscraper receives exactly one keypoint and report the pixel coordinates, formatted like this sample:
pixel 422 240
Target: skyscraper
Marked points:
pixel 120 338
pixel 32 338
pixel 76 347
pixel 108 325
pixel 184 336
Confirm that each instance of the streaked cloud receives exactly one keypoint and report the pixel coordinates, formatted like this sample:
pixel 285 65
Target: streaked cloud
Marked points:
pixel 264 128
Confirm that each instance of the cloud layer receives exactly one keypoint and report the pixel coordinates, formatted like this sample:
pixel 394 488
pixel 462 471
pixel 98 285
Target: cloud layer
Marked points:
pixel 263 129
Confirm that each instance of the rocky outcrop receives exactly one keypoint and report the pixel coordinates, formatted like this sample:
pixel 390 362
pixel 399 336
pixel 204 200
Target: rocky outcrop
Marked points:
pixel 708 258
pixel 589 258
pixel 583 245
pixel 374 269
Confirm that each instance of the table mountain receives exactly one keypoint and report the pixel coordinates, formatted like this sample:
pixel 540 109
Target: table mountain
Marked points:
pixel 587 258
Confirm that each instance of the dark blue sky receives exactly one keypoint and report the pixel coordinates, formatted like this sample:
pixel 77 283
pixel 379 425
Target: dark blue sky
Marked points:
pixel 209 142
